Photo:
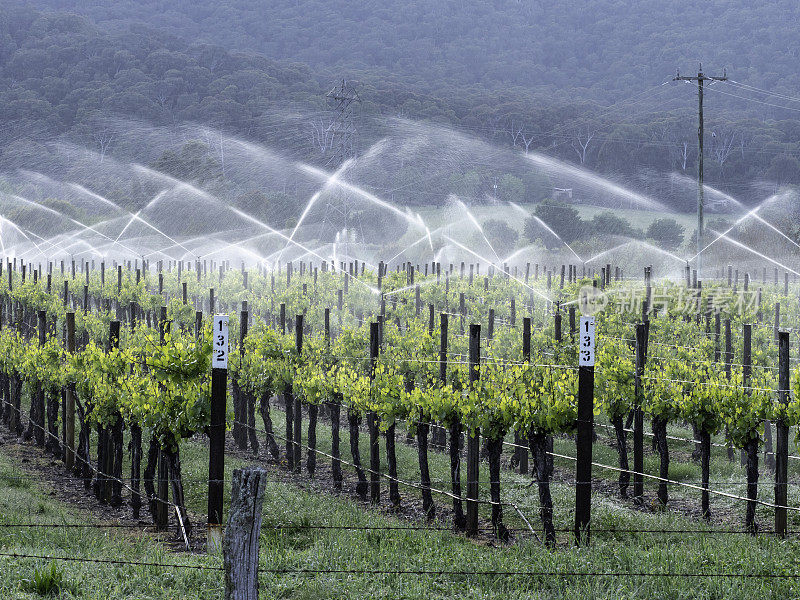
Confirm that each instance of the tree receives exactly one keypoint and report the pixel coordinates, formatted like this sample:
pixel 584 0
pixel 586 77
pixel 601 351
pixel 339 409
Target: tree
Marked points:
pixel 607 223
pixel 255 203
pixel 510 188
pixel 666 232
pixel 501 236
pixel 783 169
pixel 465 185
pixel 560 217
pixel 193 162
pixel 581 141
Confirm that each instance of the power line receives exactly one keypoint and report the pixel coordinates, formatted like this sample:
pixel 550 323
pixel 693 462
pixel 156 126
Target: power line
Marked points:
pixel 755 100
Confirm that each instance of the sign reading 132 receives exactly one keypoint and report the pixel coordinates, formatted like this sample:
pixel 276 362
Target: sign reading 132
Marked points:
pixel 586 343
pixel 219 346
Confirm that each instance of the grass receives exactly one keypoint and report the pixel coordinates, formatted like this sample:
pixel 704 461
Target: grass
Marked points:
pixel 299 502
pixel 48 581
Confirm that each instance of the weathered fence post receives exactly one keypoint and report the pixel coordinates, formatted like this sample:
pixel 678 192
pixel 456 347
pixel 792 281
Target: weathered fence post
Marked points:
pixel 69 404
pixel 782 436
pixel 438 437
pixel 750 451
pixel 473 438
pixel 638 417
pixel 583 463
pixel 520 449
pixel 372 421
pixel 298 407
pixel 240 546
pixel 216 432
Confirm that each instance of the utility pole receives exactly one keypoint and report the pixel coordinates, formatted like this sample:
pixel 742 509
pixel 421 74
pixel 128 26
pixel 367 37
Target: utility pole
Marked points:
pixel 701 78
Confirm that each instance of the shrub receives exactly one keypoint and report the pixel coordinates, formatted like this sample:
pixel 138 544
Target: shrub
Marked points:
pixel 666 232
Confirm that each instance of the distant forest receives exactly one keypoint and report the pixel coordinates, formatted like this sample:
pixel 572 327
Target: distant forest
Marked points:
pixel 581 81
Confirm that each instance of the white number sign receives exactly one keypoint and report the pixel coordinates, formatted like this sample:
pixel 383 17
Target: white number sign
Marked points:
pixel 586 343
pixel 219 348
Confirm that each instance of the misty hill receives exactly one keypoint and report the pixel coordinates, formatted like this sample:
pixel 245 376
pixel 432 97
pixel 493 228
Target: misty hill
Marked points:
pixel 524 82
pixel 604 48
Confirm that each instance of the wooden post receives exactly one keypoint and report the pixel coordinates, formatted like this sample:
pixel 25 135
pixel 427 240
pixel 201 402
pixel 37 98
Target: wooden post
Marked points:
pixel 521 448
pixel 782 436
pixel 750 452
pixel 298 412
pixel 240 409
pixel 583 447
pixel 638 417
pixel 162 495
pixel 69 405
pixel 728 348
pixel 438 433
pixel 114 438
pixel 372 421
pixel 241 544
pixel 216 455
pixel 473 439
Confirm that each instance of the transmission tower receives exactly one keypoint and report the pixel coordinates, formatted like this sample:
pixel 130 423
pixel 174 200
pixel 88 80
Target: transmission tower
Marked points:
pixel 345 105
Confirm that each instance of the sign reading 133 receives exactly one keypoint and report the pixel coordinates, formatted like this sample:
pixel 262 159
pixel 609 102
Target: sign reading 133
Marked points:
pixel 586 343
pixel 219 346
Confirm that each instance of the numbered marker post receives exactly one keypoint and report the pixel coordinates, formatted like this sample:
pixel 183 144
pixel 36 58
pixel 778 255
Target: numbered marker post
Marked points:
pixel 216 434
pixel 219 348
pixel 583 469
pixel 586 347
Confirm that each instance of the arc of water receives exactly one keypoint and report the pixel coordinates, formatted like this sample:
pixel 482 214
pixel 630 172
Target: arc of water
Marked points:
pixel 775 229
pixel 2 242
pixel 471 251
pixel 427 236
pixel 747 215
pixel 604 252
pixel 516 206
pixel 238 246
pixel 252 219
pixel 49 244
pixel 410 287
pixel 137 217
pixel 74 221
pixel 477 225
pixel 661 250
pixel 326 185
pixel 363 193
pixel 756 252
pixel 163 249
pixel 517 253
pixel 552 164
pixel 90 248
pixel 54 241
pixel 96 196
pixel 642 243
pixel 547 227
pixel 427 231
